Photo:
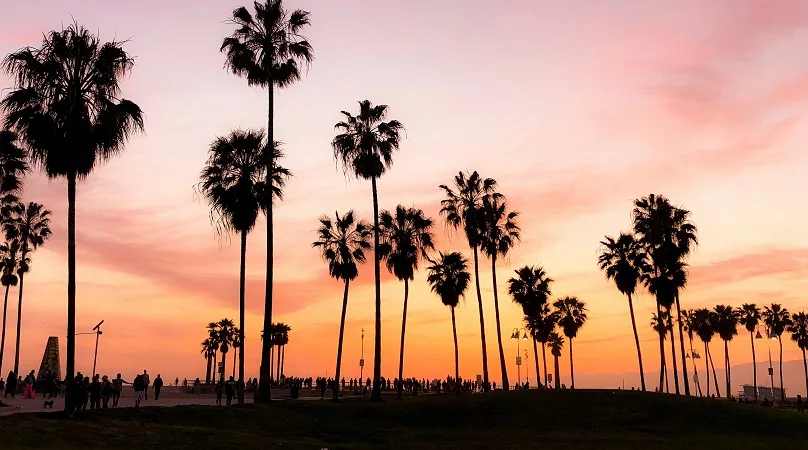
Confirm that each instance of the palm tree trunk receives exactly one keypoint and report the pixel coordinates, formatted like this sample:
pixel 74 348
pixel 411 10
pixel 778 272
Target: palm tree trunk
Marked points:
pixel 457 357
pixel 544 361
pixel 70 358
pixel 215 365
pixel 242 307
pixel 19 322
pixel 502 365
pixel 283 357
pixel 707 366
pixel 278 365
pixel 673 358
pixel 486 384
pixel 403 328
pixel 376 394
pixel 264 395
pixel 682 346
pixel 695 368
pixel 3 338
pixel 728 368
pixel 715 376
pixel 782 392
pixel 572 369
pixel 805 367
pixel 207 373
pixel 754 364
pixel 224 365
pixel 271 362
pixel 636 341
pixel 341 336
pixel 235 361
pixel 539 384
pixel 557 374
pixel 661 352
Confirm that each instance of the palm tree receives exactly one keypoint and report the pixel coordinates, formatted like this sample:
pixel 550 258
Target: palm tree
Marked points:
pixel 214 342
pixel 571 317
pixel 689 328
pixel 499 232
pixel 281 339
pixel 705 324
pixel 10 261
pixel 662 324
pixel 556 342
pixel 225 340
pixel 799 334
pixel 30 225
pixel 624 261
pixel 777 319
pixel 462 208
pixel 236 348
pixel 342 243
pixel 13 164
pixel 209 351
pixel 66 108
pixel 531 289
pixel 449 278
pixel 405 237
pixel 268 49
pixel 234 184
pixel 365 148
pixel 749 317
pixel 727 328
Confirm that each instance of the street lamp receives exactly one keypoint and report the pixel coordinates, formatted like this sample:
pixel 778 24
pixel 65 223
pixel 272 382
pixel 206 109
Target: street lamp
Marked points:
pixel 515 336
pixel 770 337
pixel 97 332
pixel 362 361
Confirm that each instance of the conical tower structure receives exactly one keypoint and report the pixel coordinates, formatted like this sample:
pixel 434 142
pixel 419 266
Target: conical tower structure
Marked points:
pixel 50 360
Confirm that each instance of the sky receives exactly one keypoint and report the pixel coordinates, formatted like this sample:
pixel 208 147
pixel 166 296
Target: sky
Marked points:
pixel 576 108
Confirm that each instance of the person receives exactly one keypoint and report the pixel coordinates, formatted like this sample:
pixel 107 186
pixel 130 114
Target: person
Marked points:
pixel 145 384
pixel 219 390
pixel 85 389
pixel 176 381
pixel 106 391
pixel 2 385
pixel 117 387
pixel 230 390
pixel 95 393
pixel 11 385
pixel 29 385
pixel 800 407
pixel 139 385
pixel 158 385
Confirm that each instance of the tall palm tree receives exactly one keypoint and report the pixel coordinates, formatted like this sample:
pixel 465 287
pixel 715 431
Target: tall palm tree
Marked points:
pixel 30 225
pixel 556 342
pixel 268 49
pixel 449 278
pixel 689 328
pixel 499 232
pixel 749 317
pixel 799 334
pixel 67 108
pixel 571 317
pixel 405 237
pixel 727 329
pixel 777 319
pixel 662 324
pixel 365 148
pixel 531 289
pixel 208 350
pixel 225 340
pixel 624 261
pixel 462 208
pixel 342 243
pixel 13 164
pixel 233 183
pixel 10 261
pixel 705 324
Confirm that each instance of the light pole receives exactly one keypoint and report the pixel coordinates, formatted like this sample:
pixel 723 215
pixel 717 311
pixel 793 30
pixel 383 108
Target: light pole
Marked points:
pixel 362 361
pixel 527 376
pixel 695 355
pixel 97 332
pixel 515 336
pixel 770 337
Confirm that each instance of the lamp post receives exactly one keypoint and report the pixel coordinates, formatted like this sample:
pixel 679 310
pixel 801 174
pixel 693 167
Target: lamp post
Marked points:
pixel 97 332
pixel 527 376
pixel 515 336
pixel 770 337
pixel 695 355
pixel 362 361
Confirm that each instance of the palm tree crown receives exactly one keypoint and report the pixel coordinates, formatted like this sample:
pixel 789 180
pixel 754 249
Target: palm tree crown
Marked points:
pixel 799 330
pixel 13 164
pixel 343 243
pixel 464 202
pixel 623 260
pixel 727 322
pixel 366 145
pixel 556 343
pixel 449 277
pixel 530 288
pixel 499 231
pixel 30 224
pixel 776 318
pixel 571 315
pixel 405 237
pixel 749 316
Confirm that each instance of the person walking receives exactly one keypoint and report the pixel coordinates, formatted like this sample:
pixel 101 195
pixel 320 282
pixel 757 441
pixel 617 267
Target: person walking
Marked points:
pixel 146 382
pixel 230 390
pixel 117 387
pixel 106 391
pixel 11 385
pixel 29 385
pixel 219 390
pixel 95 393
pixel 158 385
pixel 139 386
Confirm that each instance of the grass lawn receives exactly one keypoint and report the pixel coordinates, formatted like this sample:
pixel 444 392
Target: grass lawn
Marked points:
pixel 535 419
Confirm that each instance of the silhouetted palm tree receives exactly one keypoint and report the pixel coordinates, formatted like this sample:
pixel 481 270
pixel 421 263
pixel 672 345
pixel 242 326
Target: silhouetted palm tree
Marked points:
pixel 449 278
pixel 556 343
pixel 663 324
pixel 268 49
pixel 282 338
pixel 705 323
pixel 213 341
pixel 777 319
pixel 233 183
pixel 462 208
pixel 13 164
pixel 10 261
pixel 541 322
pixel 571 317
pixel 30 225
pixel 225 340
pixel 66 108
pixel 365 148
pixel 405 236
pixel 499 232
pixel 624 261
pixel 209 351
pixel 236 348
pixel 530 289
pixel 799 334
pixel 689 328
pixel 727 328
pixel 749 317
pixel 342 243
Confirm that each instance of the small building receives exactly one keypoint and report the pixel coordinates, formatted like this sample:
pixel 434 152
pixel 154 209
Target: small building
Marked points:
pixel 763 392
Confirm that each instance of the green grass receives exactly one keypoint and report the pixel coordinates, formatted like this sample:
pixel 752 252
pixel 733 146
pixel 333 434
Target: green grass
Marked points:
pixel 536 419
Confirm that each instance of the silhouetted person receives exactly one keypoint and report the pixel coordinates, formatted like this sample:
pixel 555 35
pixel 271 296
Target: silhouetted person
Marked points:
pixel 139 386
pixel 29 385
pixel 117 387
pixel 106 391
pixel 176 381
pixel 230 390
pixel 146 382
pixel 2 385
pixel 219 391
pixel 85 389
pixel 95 393
pixel 158 385
pixel 11 385
pixel 800 407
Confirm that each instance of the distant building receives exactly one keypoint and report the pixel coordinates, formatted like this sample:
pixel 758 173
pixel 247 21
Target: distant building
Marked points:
pixel 763 392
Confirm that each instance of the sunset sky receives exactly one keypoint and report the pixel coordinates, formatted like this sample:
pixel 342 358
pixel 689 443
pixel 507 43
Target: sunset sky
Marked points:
pixel 575 107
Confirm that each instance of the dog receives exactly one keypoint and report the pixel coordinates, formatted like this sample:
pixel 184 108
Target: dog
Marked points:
pixel 48 404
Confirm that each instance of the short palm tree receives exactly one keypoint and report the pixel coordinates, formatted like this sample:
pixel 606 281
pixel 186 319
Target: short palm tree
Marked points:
pixel 727 329
pixel 462 208
pixel 541 322
pixel 209 352
pixel 571 317
pixel 13 163
pixel 233 183
pixel 365 149
pixel 282 339
pixel 449 278
pixel 225 339
pixel 749 317
pixel 268 48
pixel 30 225
pixel 343 242
pixel 689 328
pixel 213 341
pixel 67 109
pixel 777 319
pixel 10 261
pixel 531 289
pixel 705 324
pixel 405 237
pixel 662 324
pixel 556 343
pixel 624 261
pixel 799 334
pixel 499 232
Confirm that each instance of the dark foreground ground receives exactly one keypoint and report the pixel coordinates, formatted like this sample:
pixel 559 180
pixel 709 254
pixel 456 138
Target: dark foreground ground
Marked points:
pixel 535 419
